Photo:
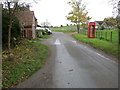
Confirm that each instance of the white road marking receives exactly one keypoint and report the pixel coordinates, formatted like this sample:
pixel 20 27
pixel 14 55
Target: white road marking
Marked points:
pixel 105 57
pixel 85 47
pixel 74 41
pixel 102 56
pixel 93 52
pixel 57 42
pixel 78 44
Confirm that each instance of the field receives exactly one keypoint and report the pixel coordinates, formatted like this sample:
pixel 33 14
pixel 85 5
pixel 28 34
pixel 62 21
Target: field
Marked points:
pixel 65 29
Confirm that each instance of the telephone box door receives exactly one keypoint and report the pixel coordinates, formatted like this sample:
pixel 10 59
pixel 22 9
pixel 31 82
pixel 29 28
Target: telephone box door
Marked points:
pixel 91 30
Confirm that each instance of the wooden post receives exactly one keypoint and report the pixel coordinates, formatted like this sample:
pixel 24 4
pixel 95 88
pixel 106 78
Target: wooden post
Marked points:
pixel 111 36
pixel 106 35
pixel 96 34
pixel 101 35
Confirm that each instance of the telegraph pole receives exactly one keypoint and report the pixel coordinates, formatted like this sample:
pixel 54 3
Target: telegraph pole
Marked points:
pixel 118 21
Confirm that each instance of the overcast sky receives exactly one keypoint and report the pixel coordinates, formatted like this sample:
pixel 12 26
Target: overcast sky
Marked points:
pixel 54 11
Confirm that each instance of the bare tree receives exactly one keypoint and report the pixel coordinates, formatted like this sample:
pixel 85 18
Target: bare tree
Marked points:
pixel 46 23
pixel 118 16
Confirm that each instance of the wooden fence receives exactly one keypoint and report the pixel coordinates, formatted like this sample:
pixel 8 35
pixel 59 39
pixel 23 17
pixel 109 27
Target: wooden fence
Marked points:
pixel 108 35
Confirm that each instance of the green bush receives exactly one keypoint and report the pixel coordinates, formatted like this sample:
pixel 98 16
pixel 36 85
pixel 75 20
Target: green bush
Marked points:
pixel 15 30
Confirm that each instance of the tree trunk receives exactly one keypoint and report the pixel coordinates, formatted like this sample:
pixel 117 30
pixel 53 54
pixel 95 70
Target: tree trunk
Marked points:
pixel 9 35
pixel 119 46
pixel 119 33
pixel 78 28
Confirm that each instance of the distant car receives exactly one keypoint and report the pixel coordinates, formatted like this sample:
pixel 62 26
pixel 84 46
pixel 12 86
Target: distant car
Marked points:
pixel 45 31
pixel 38 28
pixel 42 30
pixel 48 31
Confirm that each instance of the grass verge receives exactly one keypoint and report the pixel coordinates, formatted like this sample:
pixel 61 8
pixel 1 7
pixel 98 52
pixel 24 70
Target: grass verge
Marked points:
pixel 45 36
pixel 22 62
pixel 105 46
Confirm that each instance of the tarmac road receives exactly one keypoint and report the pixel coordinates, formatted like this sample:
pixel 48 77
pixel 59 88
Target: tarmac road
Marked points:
pixel 74 65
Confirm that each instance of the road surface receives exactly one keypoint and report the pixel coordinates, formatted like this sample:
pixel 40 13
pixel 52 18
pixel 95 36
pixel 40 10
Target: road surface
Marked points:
pixel 74 65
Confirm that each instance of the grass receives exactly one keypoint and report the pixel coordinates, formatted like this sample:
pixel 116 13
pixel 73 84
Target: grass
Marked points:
pixel 45 36
pixel 102 34
pixel 108 47
pixel 22 62
pixel 36 39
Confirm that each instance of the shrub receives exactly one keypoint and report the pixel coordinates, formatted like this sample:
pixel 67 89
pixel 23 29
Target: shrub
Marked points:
pixel 15 30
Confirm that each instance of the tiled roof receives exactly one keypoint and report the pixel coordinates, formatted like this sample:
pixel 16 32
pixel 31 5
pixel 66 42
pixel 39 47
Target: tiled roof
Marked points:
pixel 99 22
pixel 25 17
pixel 109 23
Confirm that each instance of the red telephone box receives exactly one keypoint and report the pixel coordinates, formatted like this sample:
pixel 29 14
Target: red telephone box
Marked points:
pixel 91 30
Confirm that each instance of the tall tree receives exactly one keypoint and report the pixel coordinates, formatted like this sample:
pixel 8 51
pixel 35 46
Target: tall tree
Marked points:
pixel 11 13
pixel 15 29
pixel 118 21
pixel 116 13
pixel 78 14
pixel 46 23
pixel 111 21
pixel 12 6
pixel 118 18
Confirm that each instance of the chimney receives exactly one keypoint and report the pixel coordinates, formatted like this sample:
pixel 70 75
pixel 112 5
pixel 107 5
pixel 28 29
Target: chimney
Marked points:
pixel 1 5
pixel 28 8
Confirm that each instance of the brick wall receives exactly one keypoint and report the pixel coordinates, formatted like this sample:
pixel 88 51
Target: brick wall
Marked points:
pixel 27 33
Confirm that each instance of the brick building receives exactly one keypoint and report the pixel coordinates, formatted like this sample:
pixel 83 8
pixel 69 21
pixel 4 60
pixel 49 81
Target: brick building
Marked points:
pixel 28 23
